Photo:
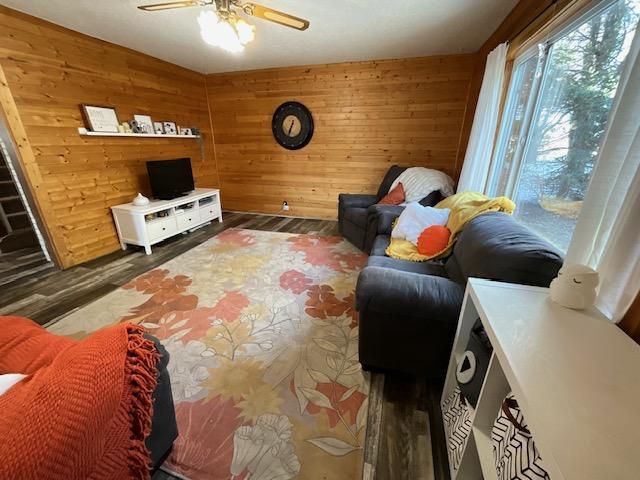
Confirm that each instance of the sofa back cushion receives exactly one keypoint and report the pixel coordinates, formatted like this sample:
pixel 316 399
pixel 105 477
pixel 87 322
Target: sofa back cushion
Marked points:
pixel 390 177
pixel 496 247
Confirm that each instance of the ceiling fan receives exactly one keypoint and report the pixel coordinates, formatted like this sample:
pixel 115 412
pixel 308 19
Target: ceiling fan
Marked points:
pixel 223 27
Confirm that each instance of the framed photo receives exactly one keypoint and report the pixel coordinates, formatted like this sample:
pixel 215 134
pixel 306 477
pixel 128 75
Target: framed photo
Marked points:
pixel 158 128
pixel 100 119
pixel 144 122
pixel 170 128
pixel 184 131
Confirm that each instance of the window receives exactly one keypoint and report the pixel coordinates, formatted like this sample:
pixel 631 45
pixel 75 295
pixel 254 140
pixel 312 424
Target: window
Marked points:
pixel 555 117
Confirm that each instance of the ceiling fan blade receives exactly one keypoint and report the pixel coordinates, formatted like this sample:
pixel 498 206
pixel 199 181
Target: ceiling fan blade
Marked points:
pixel 166 6
pixel 275 16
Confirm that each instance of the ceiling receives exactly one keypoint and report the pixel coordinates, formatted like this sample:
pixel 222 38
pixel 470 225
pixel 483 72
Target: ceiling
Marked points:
pixel 341 30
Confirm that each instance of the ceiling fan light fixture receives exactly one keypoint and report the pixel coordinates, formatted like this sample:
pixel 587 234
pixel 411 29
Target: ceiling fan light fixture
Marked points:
pixel 227 34
pixel 246 32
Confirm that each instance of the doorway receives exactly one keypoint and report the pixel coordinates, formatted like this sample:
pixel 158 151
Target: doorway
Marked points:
pixel 23 249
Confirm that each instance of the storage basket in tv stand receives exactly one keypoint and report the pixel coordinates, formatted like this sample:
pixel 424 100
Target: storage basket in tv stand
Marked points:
pixel 149 224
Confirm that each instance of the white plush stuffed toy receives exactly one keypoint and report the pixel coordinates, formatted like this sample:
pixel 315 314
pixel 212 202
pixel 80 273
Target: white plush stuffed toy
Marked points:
pixel 575 286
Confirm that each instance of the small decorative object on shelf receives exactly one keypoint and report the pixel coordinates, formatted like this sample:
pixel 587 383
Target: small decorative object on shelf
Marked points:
pixel 100 119
pixel 575 286
pixel 472 368
pixel 126 127
pixel 120 129
pixel 158 128
pixel 135 127
pixel 144 122
pixel 170 128
pixel 140 200
pixel 184 131
pixel 195 131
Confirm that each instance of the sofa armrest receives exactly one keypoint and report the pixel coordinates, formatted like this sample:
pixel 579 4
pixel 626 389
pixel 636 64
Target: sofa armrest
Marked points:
pixel 406 293
pixel 352 200
pixel 382 217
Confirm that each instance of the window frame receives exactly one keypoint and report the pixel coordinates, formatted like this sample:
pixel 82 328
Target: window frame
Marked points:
pixel 542 50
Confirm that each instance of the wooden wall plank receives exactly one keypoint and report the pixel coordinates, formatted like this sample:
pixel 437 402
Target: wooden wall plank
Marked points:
pixel 367 115
pixel 49 72
pixel 631 322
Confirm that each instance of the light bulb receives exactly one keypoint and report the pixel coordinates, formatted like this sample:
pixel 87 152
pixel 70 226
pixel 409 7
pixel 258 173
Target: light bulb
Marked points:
pixel 218 33
pixel 246 32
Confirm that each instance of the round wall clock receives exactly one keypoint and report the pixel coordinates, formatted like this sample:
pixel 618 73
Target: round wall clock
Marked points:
pixel 292 125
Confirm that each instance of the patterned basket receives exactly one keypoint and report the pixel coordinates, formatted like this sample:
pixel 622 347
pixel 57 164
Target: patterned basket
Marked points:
pixel 457 426
pixel 514 451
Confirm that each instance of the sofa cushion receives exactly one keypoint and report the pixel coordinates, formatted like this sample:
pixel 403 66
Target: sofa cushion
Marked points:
pixel 357 216
pixel 380 245
pixel 424 268
pixel 495 246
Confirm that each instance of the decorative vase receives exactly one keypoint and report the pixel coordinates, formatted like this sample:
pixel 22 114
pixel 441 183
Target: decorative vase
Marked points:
pixel 575 286
pixel 140 200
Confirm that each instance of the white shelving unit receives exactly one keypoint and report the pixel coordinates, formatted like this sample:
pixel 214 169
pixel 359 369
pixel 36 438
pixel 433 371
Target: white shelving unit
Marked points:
pixel 85 133
pixel 180 215
pixel 575 375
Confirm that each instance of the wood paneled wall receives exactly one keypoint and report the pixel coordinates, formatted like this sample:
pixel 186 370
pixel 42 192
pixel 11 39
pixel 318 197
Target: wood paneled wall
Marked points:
pixel 48 72
pixel 367 116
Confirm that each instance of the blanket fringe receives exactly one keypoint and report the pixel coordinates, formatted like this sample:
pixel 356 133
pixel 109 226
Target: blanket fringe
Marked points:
pixel 140 365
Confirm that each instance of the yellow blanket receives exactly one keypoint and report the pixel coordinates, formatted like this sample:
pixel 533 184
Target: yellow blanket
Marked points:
pixel 465 206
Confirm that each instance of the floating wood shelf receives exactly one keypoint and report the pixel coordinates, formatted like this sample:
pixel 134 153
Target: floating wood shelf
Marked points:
pixel 146 135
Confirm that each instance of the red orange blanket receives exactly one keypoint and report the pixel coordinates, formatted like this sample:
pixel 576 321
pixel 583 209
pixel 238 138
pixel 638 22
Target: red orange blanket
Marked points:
pixel 85 409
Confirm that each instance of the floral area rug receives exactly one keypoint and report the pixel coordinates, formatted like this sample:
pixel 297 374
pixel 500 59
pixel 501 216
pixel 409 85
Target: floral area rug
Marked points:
pixel 263 336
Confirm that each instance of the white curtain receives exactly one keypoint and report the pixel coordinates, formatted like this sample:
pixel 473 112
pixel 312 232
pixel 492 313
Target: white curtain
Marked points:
pixel 477 160
pixel 607 236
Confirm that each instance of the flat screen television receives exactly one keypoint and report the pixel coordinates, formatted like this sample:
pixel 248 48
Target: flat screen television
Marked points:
pixel 170 178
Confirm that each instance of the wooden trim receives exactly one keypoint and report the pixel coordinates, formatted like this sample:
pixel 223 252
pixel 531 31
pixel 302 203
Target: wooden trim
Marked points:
pixel 555 17
pixel 213 136
pixel 631 321
pixel 32 175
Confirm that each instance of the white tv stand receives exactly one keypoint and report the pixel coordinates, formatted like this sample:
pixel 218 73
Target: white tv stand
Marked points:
pixel 149 224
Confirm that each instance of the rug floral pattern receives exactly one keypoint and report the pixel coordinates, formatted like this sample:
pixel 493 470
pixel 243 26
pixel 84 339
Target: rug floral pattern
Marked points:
pixel 262 333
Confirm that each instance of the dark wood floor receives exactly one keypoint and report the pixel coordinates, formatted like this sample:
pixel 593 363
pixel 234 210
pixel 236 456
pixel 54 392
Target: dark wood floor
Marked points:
pixel 405 439
pixel 22 263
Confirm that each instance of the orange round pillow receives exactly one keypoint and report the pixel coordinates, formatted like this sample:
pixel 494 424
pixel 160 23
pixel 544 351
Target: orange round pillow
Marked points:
pixel 433 240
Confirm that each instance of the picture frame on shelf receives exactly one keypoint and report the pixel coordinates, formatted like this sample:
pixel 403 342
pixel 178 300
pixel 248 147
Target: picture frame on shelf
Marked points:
pixel 100 118
pixel 184 131
pixel 158 128
pixel 170 128
pixel 145 123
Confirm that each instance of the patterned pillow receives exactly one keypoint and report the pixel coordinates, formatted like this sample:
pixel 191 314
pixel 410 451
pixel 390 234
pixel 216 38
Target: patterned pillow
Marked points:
pixel 394 197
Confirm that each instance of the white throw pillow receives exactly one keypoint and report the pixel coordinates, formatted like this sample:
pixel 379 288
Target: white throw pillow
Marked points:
pixel 415 218
pixel 8 380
